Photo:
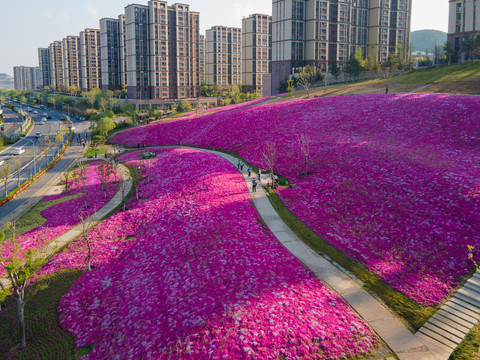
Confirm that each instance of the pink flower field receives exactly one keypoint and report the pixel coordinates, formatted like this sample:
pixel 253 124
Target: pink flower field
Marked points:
pixel 394 181
pixel 65 215
pixel 203 278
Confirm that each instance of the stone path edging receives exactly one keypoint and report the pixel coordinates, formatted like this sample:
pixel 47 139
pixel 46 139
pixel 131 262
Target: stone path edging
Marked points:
pixel 407 346
pixel 74 232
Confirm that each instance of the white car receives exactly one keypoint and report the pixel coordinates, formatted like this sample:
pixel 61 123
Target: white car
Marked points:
pixel 45 114
pixel 18 151
pixel 35 112
pixel 2 162
pixel 71 128
pixel 38 135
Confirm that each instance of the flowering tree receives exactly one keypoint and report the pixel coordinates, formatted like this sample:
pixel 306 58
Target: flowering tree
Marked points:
pixel 87 224
pixel 306 77
pixel 20 268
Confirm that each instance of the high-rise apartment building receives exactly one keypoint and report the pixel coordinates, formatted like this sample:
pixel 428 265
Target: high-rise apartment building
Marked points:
pixel 162 51
pixel 25 78
pixel 202 55
pixel 44 67
pixel 56 65
pixel 256 51
pixel 71 61
pixel 90 61
pixel 112 53
pixel 223 56
pixel 463 20
pixel 317 33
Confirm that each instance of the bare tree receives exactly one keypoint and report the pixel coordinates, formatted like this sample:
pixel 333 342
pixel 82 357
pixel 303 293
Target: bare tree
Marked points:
pixel 45 146
pixel 304 144
pixel 20 267
pixel 137 176
pixel 269 157
pixel 87 224
pixel 82 181
pixel 5 175
pixel 106 170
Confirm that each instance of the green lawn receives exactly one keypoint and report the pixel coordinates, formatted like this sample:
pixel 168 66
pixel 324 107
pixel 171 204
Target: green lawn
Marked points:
pixel 456 72
pixel 91 152
pixel 49 340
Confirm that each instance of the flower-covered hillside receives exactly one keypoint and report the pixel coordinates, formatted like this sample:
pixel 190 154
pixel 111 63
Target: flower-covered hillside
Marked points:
pixel 394 180
pixel 65 215
pixel 204 279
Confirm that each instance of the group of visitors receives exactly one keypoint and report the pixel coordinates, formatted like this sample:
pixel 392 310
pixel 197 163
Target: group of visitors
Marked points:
pixel 240 166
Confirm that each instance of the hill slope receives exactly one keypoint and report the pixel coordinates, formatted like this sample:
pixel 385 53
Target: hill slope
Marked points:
pixel 427 39
pixel 394 176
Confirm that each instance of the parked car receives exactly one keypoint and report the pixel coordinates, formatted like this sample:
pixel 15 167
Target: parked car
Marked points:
pixel 45 114
pixel 71 128
pixel 18 151
pixel 49 117
pixel 35 112
pixel 38 135
pixel 82 119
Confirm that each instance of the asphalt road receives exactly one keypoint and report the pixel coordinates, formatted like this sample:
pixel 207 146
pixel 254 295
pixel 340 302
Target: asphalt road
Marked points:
pixel 24 166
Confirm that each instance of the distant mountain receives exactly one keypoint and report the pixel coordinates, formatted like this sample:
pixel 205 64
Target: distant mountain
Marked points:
pixel 426 39
pixel 6 82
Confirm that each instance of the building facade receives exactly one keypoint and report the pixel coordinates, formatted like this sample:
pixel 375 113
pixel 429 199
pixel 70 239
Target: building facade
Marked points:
pixel 90 61
pixel 71 61
pixel 56 65
pixel 202 60
pixel 45 72
pixel 25 78
pixel 223 56
pixel 256 51
pixel 162 51
pixel 112 53
pixel 463 21
pixel 318 33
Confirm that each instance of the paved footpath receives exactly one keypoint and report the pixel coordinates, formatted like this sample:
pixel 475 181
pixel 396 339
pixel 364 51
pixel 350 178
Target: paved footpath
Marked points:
pixel 407 346
pixel 73 233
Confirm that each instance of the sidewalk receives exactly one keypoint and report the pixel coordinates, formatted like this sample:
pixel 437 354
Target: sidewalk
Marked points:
pixel 13 209
pixel 73 233
pixel 407 346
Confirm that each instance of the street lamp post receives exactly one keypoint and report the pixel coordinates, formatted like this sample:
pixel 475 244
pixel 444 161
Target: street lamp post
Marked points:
pixel 34 158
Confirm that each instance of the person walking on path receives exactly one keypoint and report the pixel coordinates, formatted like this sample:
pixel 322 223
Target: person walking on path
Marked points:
pixel 259 175
pixel 241 166
pixel 238 164
pixel 249 172
pixel 386 89
pixel 254 185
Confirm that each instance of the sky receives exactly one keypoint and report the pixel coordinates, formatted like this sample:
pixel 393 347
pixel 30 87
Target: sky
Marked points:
pixel 29 24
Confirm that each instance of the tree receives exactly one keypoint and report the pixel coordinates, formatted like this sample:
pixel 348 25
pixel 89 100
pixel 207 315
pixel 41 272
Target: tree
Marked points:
pixel 289 85
pixel 184 106
pixel 304 144
pixel 335 70
pixel 81 179
pixel 269 158
pixel 5 174
pixel 354 67
pixel 20 268
pixel 106 170
pixel 306 77
pixel 87 223
pixel 105 124
pixel 45 146
pixel 448 51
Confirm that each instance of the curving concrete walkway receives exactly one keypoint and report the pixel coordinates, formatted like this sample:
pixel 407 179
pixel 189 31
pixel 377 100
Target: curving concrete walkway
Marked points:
pixel 407 346
pixel 76 231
